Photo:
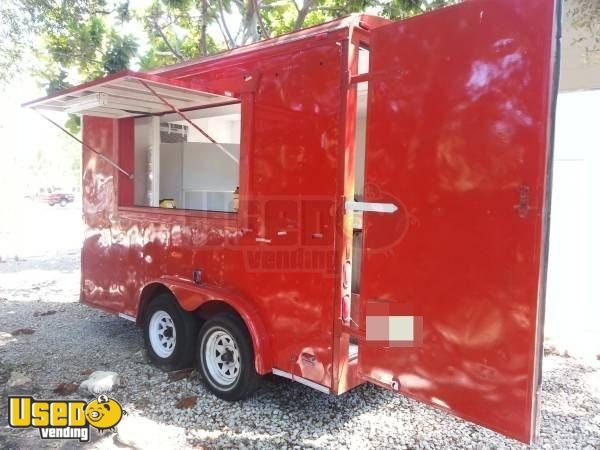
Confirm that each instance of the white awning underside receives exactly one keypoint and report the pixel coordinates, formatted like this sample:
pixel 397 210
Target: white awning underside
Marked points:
pixel 128 95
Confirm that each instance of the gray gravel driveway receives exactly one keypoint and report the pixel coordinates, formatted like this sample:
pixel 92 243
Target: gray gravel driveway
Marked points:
pixel 48 336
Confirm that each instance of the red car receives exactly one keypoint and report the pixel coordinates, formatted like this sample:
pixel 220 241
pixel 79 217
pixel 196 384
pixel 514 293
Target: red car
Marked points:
pixel 53 196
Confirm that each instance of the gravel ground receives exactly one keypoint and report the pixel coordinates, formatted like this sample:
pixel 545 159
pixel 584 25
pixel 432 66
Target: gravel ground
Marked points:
pixel 70 340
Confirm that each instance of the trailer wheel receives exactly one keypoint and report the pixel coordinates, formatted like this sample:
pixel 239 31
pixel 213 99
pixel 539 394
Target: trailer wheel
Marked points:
pixel 169 333
pixel 226 358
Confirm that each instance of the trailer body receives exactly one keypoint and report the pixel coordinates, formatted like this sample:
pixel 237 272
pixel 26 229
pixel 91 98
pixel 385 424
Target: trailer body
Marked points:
pixel 403 244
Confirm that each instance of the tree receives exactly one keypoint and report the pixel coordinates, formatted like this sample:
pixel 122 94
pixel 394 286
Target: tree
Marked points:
pixel 78 40
pixel 584 16
pixel 82 35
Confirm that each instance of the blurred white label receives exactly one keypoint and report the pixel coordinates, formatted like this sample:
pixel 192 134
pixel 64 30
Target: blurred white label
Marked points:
pixel 391 328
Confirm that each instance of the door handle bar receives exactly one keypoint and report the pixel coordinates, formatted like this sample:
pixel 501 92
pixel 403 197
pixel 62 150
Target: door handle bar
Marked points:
pixel 386 208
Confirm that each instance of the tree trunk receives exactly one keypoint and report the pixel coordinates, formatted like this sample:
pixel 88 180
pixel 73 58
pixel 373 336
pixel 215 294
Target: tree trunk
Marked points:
pixel 264 31
pixel 203 26
pixel 166 41
pixel 250 24
pixel 302 13
pixel 224 29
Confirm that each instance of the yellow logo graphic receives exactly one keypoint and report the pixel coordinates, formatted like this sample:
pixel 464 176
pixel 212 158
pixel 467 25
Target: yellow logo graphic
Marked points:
pixel 103 413
pixel 64 419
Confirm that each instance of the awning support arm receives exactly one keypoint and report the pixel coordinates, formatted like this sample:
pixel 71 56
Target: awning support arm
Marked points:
pixel 105 158
pixel 184 117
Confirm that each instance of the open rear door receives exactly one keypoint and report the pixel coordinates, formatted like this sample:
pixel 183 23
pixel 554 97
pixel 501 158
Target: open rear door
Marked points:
pixel 459 132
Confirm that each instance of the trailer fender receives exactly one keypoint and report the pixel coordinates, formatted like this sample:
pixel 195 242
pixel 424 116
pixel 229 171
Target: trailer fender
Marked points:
pixel 192 296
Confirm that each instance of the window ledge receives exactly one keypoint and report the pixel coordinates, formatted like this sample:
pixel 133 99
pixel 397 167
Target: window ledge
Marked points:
pixel 191 213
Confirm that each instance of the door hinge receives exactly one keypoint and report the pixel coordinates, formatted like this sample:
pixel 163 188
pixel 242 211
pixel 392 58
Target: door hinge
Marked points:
pixel 523 206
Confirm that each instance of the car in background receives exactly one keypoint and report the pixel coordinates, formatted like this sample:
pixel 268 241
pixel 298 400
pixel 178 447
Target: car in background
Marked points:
pixel 53 196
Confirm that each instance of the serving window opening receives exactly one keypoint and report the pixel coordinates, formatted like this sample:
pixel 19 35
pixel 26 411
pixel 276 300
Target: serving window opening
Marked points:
pixel 182 166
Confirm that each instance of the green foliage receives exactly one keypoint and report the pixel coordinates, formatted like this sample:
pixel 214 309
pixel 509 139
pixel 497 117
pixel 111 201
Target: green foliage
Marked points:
pixel 584 16
pixel 73 123
pixel 69 39
pixel 78 40
pixel 13 29
pixel 120 51
pixel 333 9
pixel 123 12
pixel 57 82
pixel 399 9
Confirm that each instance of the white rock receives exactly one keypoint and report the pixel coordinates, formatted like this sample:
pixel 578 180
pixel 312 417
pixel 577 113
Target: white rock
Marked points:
pixel 100 382
pixel 18 380
pixel 5 338
pixel 140 432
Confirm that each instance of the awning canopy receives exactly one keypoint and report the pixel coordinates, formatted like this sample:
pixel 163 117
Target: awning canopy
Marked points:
pixel 128 94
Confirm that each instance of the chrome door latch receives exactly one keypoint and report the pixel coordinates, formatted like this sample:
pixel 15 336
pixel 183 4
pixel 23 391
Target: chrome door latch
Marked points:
pixel 386 208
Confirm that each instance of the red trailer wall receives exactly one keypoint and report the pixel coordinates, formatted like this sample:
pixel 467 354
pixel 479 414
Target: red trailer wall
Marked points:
pixel 289 181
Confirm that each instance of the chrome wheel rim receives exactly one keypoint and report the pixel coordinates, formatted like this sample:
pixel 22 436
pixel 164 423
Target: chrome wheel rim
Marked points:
pixel 162 334
pixel 222 357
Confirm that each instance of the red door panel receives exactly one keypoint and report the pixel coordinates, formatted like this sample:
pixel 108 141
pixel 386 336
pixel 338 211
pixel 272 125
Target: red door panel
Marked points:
pixel 459 127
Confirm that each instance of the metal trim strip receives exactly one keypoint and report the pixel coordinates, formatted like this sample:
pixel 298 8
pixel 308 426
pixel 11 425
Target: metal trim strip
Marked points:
pixel 127 317
pixel 304 381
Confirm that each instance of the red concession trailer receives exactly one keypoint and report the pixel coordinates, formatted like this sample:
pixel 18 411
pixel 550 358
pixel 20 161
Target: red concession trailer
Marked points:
pixel 360 201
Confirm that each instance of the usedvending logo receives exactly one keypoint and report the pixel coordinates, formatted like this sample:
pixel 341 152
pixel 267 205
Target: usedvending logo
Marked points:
pixel 64 419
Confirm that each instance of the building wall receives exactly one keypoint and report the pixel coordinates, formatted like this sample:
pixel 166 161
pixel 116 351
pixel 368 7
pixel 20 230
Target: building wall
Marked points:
pixel 573 298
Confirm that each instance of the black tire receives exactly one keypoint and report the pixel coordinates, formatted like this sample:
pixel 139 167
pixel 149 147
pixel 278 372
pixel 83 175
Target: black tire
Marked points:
pixel 248 379
pixel 63 203
pixel 186 330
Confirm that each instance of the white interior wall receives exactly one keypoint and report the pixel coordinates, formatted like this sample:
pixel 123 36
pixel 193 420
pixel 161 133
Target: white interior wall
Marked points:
pixel 171 172
pixel 360 136
pixel 209 176
pixel 146 135
pixel 199 175
pixel 223 129
pixel 142 142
